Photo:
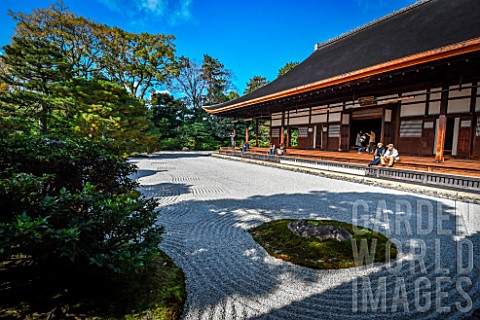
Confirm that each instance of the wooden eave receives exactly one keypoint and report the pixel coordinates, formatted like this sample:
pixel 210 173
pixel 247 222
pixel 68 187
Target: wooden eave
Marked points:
pixel 441 53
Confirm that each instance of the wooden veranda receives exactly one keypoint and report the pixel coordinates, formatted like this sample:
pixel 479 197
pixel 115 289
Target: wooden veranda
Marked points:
pixel 465 167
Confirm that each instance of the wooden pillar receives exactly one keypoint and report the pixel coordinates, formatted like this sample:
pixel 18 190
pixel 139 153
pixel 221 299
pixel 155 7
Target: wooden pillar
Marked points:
pixel 287 145
pixel 442 125
pixel 328 128
pixel 234 133
pixel 474 119
pixel 282 129
pixel 247 122
pixel 258 132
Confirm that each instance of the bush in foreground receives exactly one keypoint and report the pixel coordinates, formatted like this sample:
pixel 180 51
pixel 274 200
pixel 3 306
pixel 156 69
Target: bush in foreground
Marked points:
pixel 72 205
pixel 76 239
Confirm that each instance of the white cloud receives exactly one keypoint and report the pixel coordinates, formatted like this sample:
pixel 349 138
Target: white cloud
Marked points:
pixel 172 11
pixel 183 12
pixel 156 7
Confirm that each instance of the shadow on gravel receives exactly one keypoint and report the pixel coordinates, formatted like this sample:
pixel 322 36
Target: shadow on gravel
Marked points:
pixel 163 190
pixel 143 173
pixel 435 275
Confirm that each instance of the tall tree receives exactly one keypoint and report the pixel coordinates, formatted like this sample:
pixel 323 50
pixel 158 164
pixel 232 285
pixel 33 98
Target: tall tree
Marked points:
pixel 189 82
pixel 287 67
pixel 77 37
pixel 217 78
pixel 255 83
pixel 140 62
pixel 37 70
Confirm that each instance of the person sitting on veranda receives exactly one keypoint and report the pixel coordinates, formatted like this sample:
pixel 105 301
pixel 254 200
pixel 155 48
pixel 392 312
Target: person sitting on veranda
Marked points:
pixel 281 149
pixel 243 147
pixel 272 149
pixel 390 156
pixel 379 152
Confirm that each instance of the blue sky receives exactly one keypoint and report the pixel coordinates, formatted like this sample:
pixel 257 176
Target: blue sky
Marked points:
pixel 250 37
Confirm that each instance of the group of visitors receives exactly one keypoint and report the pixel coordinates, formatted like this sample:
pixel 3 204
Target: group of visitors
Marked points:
pixel 245 146
pixel 385 155
pixel 361 141
pixel 280 151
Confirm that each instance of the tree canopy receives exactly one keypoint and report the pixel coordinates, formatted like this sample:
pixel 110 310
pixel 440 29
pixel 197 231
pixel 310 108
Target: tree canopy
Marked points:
pixel 36 71
pixel 139 62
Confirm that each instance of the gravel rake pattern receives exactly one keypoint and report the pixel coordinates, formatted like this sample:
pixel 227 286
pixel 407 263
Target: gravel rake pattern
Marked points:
pixel 207 206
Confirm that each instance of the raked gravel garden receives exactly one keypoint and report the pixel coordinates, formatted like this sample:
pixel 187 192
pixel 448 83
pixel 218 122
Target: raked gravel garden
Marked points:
pixel 208 206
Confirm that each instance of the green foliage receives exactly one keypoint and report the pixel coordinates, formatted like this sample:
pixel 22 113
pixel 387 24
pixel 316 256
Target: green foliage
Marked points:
pixel 10 125
pixel 107 110
pixel 36 71
pixel 287 67
pixel 198 136
pixel 255 83
pixel 71 205
pixel 293 137
pixel 264 134
pixel 139 62
pixel 168 113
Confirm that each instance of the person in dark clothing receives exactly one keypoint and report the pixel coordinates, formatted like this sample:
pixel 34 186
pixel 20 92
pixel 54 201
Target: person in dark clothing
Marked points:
pixel 379 152
pixel 359 141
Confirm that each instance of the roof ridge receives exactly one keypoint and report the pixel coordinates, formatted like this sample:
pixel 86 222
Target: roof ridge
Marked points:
pixel 371 24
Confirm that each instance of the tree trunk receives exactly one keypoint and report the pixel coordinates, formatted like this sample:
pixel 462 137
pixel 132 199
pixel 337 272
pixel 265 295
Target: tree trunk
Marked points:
pixel 42 121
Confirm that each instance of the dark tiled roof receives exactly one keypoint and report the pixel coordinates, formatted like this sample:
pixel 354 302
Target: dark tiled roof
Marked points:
pixel 418 28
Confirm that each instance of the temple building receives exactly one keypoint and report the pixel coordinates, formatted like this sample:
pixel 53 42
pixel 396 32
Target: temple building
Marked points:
pixel 412 77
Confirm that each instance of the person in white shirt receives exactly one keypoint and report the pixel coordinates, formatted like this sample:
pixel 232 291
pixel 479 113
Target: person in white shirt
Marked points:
pixel 390 156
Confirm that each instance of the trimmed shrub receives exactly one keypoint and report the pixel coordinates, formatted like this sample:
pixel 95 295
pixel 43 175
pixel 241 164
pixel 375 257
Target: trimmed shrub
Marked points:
pixel 71 205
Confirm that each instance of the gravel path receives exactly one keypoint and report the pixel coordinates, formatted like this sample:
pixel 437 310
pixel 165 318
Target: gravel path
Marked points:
pixel 208 204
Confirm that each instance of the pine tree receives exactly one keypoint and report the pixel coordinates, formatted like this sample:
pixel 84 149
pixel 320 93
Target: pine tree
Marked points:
pixel 107 110
pixel 35 71
pixel 168 113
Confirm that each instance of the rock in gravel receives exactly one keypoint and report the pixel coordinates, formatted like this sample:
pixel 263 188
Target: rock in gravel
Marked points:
pixel 303 229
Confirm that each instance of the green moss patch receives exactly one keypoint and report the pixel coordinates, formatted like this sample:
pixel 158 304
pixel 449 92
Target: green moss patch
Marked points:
pixel 365 247
pixel 158 292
